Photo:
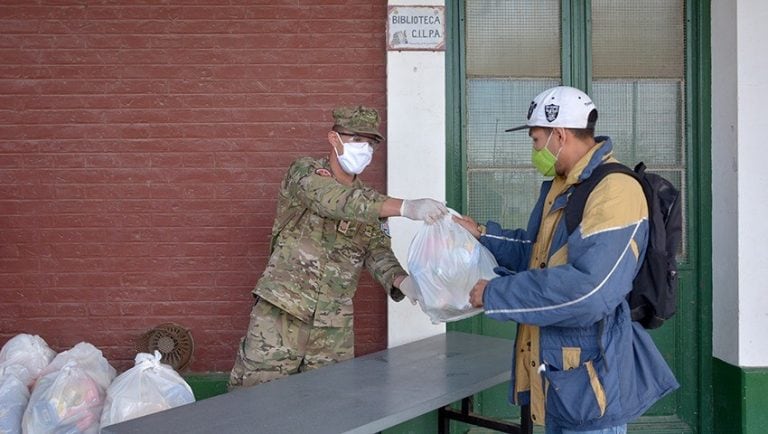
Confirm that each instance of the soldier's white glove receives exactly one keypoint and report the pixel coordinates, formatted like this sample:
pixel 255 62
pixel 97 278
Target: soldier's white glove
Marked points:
pixel 410 289
pixel 426 209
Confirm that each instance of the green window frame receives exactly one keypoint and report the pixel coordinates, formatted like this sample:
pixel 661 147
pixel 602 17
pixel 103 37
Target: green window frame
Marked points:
pixel 689 339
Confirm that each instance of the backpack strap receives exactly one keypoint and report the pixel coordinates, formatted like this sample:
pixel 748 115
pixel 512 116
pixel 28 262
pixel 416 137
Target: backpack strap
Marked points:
pixel 574 209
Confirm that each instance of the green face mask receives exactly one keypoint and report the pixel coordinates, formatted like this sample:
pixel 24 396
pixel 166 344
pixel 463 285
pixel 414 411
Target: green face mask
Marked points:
pixel 544 160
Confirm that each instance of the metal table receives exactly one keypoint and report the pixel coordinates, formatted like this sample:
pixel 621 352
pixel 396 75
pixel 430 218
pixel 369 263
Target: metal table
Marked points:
pixel 363 395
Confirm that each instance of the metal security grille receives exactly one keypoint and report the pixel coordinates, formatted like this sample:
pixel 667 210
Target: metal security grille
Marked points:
pixel 638 85
pixel 513 52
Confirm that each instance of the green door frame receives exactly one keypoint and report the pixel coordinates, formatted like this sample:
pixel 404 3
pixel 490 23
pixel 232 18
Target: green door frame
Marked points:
pixel 694 412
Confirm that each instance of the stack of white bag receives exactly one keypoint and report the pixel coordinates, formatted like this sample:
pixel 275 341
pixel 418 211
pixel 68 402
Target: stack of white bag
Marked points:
pixel 22 359
pixel 148 387
pixel 446 261
pixel 69 395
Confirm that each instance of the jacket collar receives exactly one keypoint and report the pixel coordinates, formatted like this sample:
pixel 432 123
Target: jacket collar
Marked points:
pixel 583 168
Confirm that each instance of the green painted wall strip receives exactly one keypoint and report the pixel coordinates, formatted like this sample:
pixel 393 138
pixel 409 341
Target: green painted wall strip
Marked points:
pixel 741 398
pixel 755 399
pixel 207 385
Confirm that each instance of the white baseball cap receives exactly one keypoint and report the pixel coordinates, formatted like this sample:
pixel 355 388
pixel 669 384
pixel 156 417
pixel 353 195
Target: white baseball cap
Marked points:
pixel 561 107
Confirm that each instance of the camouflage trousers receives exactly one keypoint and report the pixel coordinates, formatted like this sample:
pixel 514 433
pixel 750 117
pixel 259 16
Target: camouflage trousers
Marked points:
pixel 278 344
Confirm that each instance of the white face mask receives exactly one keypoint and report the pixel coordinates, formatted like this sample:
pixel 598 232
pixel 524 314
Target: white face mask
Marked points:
pixel 356 157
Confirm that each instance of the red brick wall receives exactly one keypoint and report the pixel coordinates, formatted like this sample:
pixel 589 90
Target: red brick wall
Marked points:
pixel 141 148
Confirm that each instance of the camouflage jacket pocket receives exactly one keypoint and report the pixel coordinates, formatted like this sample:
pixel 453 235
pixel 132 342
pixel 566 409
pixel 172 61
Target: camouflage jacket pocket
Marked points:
pixel 288 297
pixel 334 312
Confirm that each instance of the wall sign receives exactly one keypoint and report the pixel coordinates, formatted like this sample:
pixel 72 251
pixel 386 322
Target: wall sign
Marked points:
pixel 416 28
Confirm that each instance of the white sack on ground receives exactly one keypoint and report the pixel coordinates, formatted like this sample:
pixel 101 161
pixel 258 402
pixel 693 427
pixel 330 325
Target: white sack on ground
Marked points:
pixel 69 395
pixel 14 395
pixel 30 352
pixel 22 359
pixel 148 387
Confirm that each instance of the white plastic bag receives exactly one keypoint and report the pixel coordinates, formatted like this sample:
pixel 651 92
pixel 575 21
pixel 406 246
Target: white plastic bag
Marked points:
pixel 446 261
pixel 22 359
pixel 148 387
pixel 69 395
pixel 30 353
pixel 14 395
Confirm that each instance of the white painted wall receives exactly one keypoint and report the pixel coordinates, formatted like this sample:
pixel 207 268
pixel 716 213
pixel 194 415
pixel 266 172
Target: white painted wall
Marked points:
pixel 739 200
pixel 415 160
pixel 752 79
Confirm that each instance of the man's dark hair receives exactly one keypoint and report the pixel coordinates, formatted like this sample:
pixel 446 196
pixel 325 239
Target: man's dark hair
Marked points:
pixel 589 132
pixel 583 133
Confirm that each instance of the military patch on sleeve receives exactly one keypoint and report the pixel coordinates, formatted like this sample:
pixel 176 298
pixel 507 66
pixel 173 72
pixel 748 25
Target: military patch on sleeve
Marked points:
pixel 343 226
pixel 323 172
pixel 385 228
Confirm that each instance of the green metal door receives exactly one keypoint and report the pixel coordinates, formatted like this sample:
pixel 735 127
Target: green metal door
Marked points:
pixel 640 62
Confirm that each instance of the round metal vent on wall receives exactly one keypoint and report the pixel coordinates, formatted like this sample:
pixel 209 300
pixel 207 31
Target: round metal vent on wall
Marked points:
pixel 172 340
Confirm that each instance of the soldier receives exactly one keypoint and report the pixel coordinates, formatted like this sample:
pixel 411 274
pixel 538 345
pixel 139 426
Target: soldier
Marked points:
pixel 328 225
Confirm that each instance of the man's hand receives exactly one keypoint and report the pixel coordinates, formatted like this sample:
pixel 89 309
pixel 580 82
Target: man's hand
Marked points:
pixel 476 294
pixel 426 209
pixel 469 224
pixel 410 289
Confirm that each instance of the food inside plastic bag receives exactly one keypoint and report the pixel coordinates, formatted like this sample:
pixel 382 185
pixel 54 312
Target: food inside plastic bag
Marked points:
pixel 446 261
pixel 14 395
pixel 69 395
pixel 30 353
pixel 148 387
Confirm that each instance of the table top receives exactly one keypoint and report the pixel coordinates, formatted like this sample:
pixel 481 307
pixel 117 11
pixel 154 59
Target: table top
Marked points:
pixel 364 395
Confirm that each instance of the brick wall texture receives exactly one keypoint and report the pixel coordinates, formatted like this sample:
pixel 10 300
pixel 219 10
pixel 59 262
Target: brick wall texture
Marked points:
pixel 141 148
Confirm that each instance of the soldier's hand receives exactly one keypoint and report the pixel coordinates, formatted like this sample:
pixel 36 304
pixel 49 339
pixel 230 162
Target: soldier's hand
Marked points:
pixel 410 289
pixel 426 209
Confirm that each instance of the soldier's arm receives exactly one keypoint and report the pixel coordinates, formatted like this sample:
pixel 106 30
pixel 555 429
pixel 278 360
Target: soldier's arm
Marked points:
pixel 337 201
pixel 325 196
pixel 384 266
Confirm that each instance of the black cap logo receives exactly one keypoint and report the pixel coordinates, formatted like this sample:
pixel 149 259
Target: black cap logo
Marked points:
pixel 531 108
pixel 551 111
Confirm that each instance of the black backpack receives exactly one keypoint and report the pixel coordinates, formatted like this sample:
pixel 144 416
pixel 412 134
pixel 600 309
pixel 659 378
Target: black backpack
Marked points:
pixel 653 298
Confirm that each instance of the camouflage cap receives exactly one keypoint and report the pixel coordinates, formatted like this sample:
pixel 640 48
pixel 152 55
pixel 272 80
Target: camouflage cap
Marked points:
pixel 363 121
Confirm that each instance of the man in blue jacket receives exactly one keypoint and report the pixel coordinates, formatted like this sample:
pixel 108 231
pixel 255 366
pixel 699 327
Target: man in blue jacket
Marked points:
pixel 579 360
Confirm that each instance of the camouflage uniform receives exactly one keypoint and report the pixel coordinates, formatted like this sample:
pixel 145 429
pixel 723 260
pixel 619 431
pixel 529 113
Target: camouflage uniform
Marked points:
pixel 323 234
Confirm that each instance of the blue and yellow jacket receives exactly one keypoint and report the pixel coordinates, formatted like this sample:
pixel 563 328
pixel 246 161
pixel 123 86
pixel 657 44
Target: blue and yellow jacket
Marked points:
pixel 577 354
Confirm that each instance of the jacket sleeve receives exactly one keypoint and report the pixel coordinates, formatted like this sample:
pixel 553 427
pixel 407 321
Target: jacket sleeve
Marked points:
pixel 383 265
pixel 328 198
pixel 510 247
pixel 602 260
